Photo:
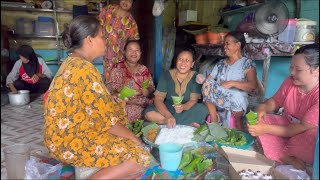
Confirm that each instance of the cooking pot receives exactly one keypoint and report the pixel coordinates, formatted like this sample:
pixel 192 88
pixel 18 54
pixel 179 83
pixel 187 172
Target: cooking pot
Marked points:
pixel 20 98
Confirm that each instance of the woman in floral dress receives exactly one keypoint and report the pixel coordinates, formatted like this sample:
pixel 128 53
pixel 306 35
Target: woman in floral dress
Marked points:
pixel 83 126
pixel 132 74
pixel 118 26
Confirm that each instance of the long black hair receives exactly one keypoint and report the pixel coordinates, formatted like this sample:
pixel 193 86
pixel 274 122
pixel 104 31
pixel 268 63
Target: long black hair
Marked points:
pixel 310 53
pixel 32 67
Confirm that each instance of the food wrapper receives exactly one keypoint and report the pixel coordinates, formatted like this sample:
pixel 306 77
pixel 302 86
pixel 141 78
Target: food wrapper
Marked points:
pixel 145 84
pixel 127 92
pixel 252 118
pixel 177 100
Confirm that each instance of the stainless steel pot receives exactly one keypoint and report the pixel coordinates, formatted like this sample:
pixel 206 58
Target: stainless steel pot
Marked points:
pixel 20 98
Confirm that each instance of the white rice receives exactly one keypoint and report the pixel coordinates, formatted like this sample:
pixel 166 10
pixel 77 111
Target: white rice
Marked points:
pixel 178 134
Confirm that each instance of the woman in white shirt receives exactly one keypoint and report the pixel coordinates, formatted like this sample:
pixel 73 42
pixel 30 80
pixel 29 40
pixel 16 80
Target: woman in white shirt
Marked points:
pixel 29 72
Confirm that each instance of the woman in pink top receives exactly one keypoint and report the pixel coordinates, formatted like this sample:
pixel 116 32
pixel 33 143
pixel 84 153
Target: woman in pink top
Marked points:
pixel 290 139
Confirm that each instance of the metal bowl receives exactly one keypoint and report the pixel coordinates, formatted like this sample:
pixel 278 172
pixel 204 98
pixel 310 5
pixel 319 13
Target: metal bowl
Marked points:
pixel 20 98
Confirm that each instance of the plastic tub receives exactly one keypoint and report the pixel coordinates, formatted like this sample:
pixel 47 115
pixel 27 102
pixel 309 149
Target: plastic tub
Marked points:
pixel 170 156
pixel 20 98
pixel 250 141
pixel 288 34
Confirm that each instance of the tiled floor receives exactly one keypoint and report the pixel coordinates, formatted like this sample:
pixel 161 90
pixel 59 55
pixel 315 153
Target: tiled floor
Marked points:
pixel 22 124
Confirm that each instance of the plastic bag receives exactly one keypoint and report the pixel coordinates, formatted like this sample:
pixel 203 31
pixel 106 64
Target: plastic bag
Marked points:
pixel 158 7
pixel 292 173
pixel 38 170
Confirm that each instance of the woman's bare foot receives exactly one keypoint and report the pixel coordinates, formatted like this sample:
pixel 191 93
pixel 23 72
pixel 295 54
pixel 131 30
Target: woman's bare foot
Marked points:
pixel 196 125
pixel 294 161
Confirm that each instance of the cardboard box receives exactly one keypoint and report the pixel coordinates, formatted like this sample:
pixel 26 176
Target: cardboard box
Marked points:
pixel 244 159
pixel 186 16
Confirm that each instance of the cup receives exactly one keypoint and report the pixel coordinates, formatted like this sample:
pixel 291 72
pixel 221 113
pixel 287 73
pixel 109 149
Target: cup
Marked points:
pixel 170 156
pixel 15 157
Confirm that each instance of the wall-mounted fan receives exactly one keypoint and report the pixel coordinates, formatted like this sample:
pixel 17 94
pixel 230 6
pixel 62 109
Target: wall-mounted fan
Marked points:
pixel 269 20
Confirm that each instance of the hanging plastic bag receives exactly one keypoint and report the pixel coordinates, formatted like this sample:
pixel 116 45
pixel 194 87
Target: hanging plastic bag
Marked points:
pixel 158 7
pixel 38 170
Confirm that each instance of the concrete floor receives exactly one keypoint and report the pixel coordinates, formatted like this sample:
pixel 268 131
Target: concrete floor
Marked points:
pixel 22 124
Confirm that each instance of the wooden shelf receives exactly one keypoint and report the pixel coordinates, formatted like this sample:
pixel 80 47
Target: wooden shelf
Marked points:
pixel 40 10
pixel 29 36
pixel 241 10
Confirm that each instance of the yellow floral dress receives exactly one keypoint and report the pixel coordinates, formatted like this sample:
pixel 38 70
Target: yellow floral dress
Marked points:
pixel 78 112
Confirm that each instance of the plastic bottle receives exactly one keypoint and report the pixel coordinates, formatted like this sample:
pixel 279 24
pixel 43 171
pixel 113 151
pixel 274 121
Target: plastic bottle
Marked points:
pixel 232 122
pixel 287 36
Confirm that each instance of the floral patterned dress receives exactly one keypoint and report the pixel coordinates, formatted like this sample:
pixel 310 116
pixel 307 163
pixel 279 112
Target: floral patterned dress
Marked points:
pixel 78 112
pixel 121 76
pixel 227 100
pixel 117 30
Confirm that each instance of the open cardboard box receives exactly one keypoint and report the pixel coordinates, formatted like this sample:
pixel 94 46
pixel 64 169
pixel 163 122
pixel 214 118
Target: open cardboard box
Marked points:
pixel 245 159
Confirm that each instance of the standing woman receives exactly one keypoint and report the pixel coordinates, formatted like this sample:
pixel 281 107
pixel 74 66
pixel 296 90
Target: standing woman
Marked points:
pixel 230 81
pixel 29 72
pixel 132 74
pixel 83 126
pixel 118 26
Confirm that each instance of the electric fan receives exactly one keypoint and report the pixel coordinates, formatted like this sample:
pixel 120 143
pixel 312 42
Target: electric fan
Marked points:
pixel 269 20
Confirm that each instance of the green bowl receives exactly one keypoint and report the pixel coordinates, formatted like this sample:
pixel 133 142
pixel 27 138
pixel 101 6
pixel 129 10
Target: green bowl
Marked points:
pixel 127 92
pixel 250 141
pixel 177 100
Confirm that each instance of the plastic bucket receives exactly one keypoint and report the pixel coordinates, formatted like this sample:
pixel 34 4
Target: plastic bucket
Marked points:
pixel 305 31
pixel 15 158
pixel 170 156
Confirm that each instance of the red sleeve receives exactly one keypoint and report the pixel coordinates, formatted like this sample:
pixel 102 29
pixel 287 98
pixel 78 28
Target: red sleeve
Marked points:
pixel 282 92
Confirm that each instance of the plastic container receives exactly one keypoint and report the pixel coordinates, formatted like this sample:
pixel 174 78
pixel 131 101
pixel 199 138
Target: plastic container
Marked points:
pixel 201 38
pixel 305 31
pixel 20 98
pixel 15 158
pixel 24 26
pixel 288 34
pixel 250 141
pixel 170 156
pixel 45 26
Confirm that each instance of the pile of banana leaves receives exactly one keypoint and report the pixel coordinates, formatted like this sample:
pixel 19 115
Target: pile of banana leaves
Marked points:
pixel 194 163
pixel 136 127
pixel 215 132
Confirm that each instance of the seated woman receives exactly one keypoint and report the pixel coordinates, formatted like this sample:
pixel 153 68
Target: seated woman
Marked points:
pixel 178 82
pixel 230 81
pixel 132 74
pixel 291 138
pixel 83 126
pixel 29 72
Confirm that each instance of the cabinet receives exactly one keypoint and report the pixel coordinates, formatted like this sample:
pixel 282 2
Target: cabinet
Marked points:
pixel 45 40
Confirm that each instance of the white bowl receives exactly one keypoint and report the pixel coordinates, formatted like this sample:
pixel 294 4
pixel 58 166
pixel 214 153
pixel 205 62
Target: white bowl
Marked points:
pixel 20 98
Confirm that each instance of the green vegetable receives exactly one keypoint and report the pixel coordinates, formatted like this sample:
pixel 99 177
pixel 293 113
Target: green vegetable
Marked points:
pixel 205 164
pixel 252 118
pixel 235 138
pixel 203 127
pixel 190 167
pixel 186 159
pixel 217 131
pixel 127 92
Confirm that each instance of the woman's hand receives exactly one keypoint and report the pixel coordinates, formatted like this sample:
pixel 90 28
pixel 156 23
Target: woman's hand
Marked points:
pixel 200 78
pixel 227 84
pixel 35 78
pixel 257 130
pixel 115 99
pixel 179 108
pixel 261 114
pixel 145 92
pixel 136 140
pixel 171 122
